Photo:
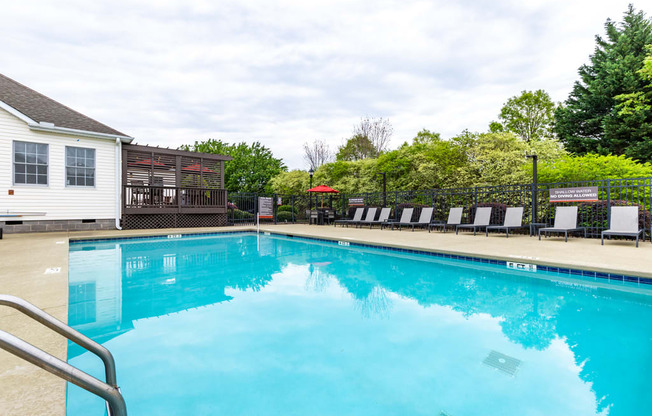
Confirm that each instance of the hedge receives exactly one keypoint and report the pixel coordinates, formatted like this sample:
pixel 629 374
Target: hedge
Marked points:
pixel 239 214
pixel 287 208
pixel 284 216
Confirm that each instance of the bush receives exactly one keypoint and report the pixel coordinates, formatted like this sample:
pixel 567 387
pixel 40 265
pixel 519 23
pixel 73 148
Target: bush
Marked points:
pixel 239 214
pixel 287 208
pixel 284 216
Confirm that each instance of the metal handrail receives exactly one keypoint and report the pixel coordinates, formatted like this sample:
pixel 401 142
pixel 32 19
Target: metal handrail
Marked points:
pixel 109 391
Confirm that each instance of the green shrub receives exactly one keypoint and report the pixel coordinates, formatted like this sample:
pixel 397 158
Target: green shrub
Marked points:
pixel 287 208
pixel 239 214
pixel 591 167
pixel 284 216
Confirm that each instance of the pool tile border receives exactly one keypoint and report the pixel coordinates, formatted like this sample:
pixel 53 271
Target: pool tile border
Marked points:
pixel 610 277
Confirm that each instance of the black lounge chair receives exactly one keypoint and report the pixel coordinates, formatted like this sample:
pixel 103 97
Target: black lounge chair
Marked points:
pixel 357 216
pixel 454 219
pixel 481 220
pixel 624 222
pixel 371 214
pixel 424 220
pixel 382 218
pixel 565 222
pixel 513 221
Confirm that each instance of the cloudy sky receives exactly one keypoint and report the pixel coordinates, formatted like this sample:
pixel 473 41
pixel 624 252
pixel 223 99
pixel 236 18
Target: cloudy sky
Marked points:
pixel 170 72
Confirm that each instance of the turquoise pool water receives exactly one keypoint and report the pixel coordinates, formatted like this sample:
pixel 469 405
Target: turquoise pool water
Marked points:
pixel 269 325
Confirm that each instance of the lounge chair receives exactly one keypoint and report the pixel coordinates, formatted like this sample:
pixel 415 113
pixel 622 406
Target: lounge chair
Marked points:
pixel 624 222
pixel 565 222
pixel 513 221
pixel 371 214
pixel 424 220
pixel 369 218
pixel 357 216
pixel 382 218
pixel 454 219
pixel 481 220
pixel 406 217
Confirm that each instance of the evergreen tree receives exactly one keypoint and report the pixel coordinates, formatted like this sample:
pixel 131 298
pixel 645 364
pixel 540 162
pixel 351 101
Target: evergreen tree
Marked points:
pixel 591 120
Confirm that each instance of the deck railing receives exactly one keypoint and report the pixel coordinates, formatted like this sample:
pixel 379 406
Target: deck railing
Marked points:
pixel 160 199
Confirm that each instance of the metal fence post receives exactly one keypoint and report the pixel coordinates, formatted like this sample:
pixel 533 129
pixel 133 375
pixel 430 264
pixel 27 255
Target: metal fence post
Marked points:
pixel 255 205
pixel 293 220
pixel 608 203
pixel 275 207
pixel 395 205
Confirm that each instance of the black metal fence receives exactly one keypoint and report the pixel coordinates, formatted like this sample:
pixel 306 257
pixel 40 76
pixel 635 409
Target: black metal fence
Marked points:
pixel 592 215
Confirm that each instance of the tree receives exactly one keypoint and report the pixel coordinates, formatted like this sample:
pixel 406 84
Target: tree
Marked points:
pixel 252 166
pixel 529 115
pixel 317 153
pixel 294 182
pixel 590 167
pixel 357 147
pixel 378 130
pixel 500 158
pixel 635 109
pixel 591 119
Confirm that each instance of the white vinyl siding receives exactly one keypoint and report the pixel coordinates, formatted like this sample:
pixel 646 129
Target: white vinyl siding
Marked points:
pixel 57 200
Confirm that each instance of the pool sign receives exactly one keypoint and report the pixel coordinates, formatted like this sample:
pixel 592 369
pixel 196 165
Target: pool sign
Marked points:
pixel 580 194
pixel 265 207
pixel 356 202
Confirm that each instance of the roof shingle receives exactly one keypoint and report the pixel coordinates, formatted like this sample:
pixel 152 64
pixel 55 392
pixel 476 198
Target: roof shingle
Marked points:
pixel 40 108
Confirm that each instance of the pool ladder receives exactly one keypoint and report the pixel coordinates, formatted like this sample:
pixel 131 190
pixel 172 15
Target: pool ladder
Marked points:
pixel 109 390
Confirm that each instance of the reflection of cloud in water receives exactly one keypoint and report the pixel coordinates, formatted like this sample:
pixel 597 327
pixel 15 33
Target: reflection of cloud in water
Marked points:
pixel 376 304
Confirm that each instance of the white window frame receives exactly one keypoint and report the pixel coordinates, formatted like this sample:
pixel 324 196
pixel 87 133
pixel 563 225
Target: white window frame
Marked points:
pixel 13 164
pixel 65 167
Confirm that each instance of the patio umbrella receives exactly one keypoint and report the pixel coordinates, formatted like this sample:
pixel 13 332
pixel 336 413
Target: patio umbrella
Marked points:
pixel 196 168
pixel 146 162
pixel 323 189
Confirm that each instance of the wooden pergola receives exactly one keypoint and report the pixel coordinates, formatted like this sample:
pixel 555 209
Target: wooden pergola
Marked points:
pixel 171 182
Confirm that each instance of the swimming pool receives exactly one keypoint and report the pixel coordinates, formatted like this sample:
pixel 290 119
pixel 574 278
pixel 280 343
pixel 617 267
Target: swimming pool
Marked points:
pixel 242 324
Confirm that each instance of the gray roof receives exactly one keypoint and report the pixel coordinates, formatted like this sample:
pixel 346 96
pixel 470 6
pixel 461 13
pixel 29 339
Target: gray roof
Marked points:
pixel 40 108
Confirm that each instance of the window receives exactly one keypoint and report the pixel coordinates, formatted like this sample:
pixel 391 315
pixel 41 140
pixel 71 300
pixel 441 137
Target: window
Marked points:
pixel 82 299
pixel 30 163
pixel 80 166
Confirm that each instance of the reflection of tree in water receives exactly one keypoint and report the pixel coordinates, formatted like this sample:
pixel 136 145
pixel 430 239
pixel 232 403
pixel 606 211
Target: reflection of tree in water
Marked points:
pixel 318 280
pixel 534 324
pixel 377 303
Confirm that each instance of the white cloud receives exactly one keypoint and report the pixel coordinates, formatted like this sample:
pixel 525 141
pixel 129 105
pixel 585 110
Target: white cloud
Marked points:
pixel 171 72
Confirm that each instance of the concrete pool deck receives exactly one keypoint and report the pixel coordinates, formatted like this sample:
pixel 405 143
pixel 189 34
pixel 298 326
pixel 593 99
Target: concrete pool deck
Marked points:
pixel 35 268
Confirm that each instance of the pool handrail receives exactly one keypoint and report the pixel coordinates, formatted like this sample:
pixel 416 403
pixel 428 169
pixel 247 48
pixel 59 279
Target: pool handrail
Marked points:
pixel 108 390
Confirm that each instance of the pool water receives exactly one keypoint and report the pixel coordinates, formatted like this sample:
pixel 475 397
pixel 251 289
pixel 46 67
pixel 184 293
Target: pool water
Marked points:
pixel 268 325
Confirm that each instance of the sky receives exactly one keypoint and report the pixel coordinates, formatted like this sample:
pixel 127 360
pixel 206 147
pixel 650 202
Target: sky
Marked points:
pixel 284 73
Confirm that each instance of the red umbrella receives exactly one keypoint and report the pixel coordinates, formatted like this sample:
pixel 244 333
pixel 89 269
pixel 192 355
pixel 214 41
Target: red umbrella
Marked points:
pixel 196 168
pixel 322 189
pixel 147 162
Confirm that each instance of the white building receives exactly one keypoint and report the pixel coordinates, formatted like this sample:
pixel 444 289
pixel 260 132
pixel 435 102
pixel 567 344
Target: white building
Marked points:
pixel 59 170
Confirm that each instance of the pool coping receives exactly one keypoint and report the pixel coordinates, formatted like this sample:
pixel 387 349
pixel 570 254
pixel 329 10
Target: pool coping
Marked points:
pixel 613 277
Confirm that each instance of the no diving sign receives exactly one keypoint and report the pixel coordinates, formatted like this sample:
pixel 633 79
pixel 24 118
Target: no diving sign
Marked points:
pixel 579 194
